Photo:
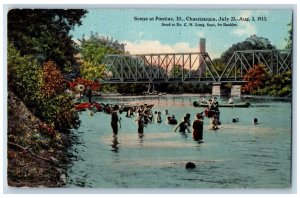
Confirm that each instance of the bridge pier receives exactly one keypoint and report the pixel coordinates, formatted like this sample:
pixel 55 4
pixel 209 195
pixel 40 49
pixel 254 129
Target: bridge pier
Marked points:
pixel 236 90
pixel 216 89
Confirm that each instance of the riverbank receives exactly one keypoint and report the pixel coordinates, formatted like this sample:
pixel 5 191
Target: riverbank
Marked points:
pixel 36 155
pixel 114 96
pixel 204 95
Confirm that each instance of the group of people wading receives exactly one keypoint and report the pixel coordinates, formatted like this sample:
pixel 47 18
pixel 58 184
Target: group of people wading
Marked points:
pixel 145 116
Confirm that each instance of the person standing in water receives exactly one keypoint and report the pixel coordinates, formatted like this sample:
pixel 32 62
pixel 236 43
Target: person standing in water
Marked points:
pixel 141 124
pixel 159 119
pixel 198 128
pixel 115 119
pixel 183 126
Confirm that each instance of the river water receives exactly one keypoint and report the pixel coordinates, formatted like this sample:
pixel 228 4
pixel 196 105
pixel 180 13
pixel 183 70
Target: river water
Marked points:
pixel 238 155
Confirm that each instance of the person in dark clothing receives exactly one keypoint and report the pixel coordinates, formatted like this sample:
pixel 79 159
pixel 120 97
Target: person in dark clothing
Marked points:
pixel 115 119
pixel 89 94
pixel 172 120
pixel 198 128
pixel 159 119
pixel 183 126
pixel 188 116
pixel 141 124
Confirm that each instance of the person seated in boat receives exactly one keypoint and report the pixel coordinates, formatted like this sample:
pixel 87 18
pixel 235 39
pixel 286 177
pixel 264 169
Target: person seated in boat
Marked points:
pixel 183 126
pixel 107 109
pixel 202 101
pixel 172 120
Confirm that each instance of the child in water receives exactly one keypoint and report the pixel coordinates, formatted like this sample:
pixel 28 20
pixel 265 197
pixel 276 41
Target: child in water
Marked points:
pixel 214 123
pixel 159 119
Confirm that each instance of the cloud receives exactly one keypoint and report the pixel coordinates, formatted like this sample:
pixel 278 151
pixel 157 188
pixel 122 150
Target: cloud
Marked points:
pixel 155 46
pixel 245 28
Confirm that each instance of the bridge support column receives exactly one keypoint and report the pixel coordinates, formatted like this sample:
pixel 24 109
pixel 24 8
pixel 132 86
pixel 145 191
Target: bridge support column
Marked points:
pixel 216 89
pixel 236 90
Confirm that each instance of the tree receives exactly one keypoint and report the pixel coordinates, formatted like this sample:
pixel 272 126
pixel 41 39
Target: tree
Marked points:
pixel 94 48
pixel 256 77
pixel 277 85
pixel 219 65
pixel 90 71
pixel 252 43
pixel 42 90
pixel 24 76
pixel 289 40
pixel 44 33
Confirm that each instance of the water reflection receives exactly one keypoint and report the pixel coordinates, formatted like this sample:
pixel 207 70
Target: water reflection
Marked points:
pixel 183 134
pixel 115 143
pixel 141 140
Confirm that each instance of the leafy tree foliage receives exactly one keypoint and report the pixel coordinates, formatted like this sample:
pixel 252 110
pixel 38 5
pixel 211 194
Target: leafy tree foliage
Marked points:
pixel 90 71
pixel 252 43
pixel 24 76
pixel 44 33
pixel 41 90
pixel 219 65
pixel 55 106
pixel 278 85
pixel 53 80
pixel 256 76
pixel 94 48
pixel 262 83
pixel 289 40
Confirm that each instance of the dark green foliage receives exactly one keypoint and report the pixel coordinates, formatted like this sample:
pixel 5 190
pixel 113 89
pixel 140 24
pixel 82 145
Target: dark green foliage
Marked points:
pixel 44 33
pixel 252 43
pixel 289 40
pixel 24 76
pixel 27 79
pixel 277 85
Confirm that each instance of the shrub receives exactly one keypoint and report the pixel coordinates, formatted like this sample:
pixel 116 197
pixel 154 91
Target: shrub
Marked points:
pixel 55 105
pixel 24 76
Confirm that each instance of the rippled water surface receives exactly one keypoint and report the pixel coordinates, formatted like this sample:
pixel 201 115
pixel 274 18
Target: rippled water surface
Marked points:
pixel 238 155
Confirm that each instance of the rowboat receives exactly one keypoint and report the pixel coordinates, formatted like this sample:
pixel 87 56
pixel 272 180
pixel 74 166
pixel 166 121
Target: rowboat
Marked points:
pixel 85 105
pixel 238 105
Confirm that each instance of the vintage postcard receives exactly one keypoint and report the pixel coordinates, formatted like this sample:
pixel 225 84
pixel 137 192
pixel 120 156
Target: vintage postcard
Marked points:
pixel 150 98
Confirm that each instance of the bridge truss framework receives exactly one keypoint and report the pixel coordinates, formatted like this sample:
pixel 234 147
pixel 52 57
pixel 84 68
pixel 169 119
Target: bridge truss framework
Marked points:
pixel 191 67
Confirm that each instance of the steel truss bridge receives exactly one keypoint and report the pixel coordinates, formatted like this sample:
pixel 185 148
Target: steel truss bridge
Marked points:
pixel 191 67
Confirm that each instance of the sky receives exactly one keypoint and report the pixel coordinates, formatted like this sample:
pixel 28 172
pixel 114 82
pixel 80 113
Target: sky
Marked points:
pixel 145 36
